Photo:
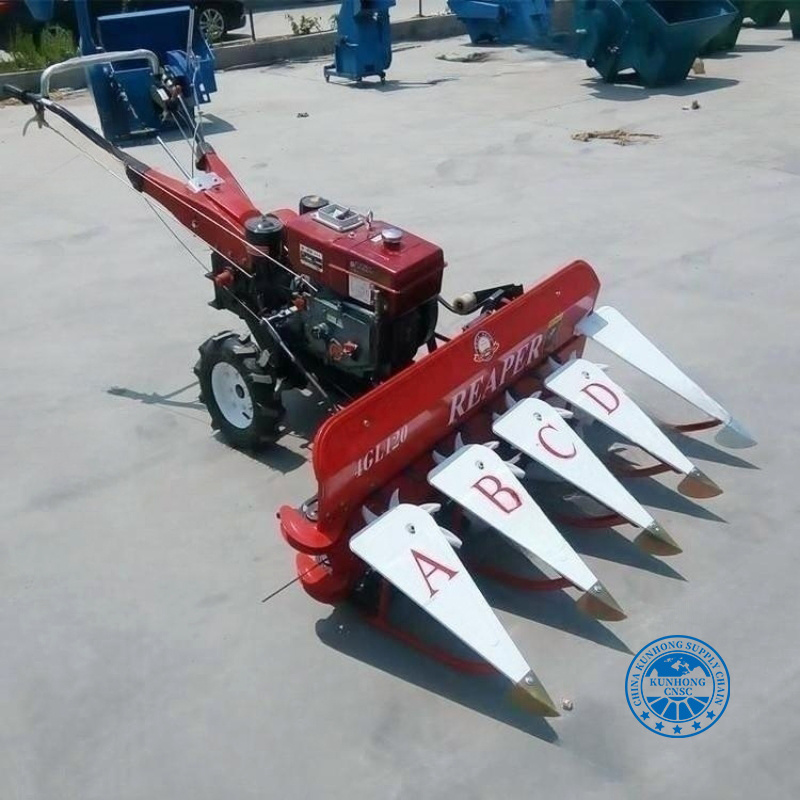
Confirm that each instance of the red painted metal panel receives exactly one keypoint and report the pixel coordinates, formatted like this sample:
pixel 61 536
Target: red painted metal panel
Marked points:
pixel 408 274
pixel 216 215
pixel 366 444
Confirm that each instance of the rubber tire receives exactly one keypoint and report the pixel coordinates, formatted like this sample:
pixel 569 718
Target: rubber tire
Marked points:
pixel 221 11
pixel 242 354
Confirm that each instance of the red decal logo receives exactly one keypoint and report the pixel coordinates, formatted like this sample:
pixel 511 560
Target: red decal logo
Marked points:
pixel 484 386
pixel 507 500
pixel 485 346
pixel 603 396
pixel 435 567
pixel 550 448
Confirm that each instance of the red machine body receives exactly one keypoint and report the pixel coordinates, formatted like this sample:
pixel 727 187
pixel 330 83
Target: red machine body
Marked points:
pixel 216 215
pixel 382 439
pixel 406 269
pixel 373 287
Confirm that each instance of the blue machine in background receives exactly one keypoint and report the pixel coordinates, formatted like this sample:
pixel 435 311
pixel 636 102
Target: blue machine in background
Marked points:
pixel 147 72
pixel 364 40
pixel 128 101
pixel 504 21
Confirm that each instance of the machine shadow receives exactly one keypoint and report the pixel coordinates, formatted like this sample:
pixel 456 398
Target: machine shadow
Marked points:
pixel 275 456
pixel 394 85
pixel 304 415
pixel 697 449
pixel 739 49
pixel 610 545
pixel 212 125
pixel 346 632
pixel 555 609
pixel 604 440
pixel 606 543
pixel 628 88
pixel 154 398
pixel 649 492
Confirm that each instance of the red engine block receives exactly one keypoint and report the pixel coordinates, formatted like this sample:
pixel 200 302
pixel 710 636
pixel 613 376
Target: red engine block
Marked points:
pixel 353 257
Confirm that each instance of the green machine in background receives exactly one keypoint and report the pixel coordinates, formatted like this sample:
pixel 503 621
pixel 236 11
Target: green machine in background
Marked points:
pixel 657 39
pixel 764 13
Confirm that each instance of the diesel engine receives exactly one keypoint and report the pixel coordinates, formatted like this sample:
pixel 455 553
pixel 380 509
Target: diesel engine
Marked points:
pixel 352 293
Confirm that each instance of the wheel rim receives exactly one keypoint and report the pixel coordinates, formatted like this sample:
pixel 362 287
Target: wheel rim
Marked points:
pixel 212 24
pixel 232 395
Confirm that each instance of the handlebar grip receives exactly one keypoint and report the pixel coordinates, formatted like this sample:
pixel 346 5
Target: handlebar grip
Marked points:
pixel 20 94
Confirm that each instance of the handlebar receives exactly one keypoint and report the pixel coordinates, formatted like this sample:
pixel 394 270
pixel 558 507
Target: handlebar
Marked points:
pixel 93 59
pixel 19 94
pixel 134 168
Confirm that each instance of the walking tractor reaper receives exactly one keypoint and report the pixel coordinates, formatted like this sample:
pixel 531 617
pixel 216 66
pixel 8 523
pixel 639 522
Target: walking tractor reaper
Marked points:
pixel 419 454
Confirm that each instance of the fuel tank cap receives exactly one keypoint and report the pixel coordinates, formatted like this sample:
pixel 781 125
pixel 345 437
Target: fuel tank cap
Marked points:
pixel 392 237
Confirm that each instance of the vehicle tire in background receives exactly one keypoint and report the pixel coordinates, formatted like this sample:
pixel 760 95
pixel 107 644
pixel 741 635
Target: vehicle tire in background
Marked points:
pixel 211 19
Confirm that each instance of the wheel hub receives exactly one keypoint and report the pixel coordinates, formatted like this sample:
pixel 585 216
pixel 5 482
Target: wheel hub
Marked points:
pixel 232 395
pixel 212 24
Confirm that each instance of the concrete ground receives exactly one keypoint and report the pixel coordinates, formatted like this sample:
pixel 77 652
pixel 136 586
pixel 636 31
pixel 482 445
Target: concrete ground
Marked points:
pixel 138 660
